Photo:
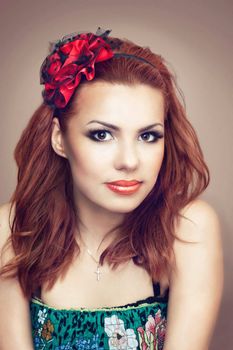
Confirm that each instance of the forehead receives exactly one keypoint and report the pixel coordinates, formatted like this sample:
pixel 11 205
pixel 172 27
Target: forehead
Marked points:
pixel 118 102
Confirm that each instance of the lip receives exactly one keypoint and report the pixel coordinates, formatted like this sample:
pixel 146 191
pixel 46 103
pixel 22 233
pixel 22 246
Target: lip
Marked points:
pixel 125 183
pixel 125 190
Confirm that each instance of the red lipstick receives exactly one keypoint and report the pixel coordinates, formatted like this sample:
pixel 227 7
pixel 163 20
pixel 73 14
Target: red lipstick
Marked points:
pixel 124 182
pixel 123 186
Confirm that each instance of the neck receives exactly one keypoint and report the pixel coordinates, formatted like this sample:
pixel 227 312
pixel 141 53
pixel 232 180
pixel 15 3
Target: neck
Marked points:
pixel 95 242
pixel 95 224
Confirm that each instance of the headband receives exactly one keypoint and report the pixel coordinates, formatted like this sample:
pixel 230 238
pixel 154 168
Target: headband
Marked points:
pixel 71 58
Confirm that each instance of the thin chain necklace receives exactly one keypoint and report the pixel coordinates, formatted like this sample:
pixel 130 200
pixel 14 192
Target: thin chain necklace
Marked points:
pixel 97 272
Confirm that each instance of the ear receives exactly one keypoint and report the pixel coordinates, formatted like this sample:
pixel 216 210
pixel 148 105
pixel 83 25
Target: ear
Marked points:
pixel 57 140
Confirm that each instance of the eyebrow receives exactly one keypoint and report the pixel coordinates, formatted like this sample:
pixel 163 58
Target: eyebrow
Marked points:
pixel 114 127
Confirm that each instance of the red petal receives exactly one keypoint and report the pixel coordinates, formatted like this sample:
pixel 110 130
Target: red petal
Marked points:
pixel 66 72
pixel 79 45
pixel 54 67
pixel 54 57
pixel 72 83
pixel 96 42
pixel 103 54
pixel 49 91
pixel 89 75
pixel 66 93
pixel 77 50
pixel 66 48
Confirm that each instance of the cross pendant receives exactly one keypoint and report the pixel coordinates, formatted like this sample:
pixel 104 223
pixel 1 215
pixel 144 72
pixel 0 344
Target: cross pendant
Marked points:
pixel 98 273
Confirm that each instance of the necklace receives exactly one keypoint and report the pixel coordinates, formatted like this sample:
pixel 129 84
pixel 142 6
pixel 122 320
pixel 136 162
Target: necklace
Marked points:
pixel 97 272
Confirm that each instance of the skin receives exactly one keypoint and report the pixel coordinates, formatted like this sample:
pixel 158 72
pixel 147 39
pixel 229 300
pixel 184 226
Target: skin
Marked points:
pixel 124 154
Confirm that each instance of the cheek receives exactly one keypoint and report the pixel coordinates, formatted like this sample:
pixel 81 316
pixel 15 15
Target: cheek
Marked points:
pixel 154 159
pixel 154 168
pixel 85 162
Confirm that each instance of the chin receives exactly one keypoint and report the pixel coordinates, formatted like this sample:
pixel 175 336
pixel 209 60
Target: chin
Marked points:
pixel 123 208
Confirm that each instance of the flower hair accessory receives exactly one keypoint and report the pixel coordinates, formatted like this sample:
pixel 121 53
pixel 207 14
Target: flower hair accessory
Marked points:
pixel 71 57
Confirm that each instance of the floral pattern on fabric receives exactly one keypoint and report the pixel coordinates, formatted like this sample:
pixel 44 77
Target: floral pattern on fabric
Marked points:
pixel 47 330
pixel 42 316
pixel 153 337
pixel 139 327
pixel 83 344
pixel 119 338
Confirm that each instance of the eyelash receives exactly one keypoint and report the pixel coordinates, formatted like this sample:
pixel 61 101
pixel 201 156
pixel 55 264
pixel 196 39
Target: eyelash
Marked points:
pixel 157 135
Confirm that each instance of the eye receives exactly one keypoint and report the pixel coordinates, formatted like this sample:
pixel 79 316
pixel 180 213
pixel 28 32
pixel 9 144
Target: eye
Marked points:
pixel 100 132
pixel 155 136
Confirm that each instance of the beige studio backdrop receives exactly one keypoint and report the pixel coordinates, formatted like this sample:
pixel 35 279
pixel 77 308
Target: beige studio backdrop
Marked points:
pixel 195 37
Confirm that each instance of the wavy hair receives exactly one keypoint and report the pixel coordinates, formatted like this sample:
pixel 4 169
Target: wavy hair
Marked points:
pixel 45 219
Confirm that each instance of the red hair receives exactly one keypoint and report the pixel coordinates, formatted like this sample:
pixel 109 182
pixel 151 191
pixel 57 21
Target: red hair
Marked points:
pixel 45 219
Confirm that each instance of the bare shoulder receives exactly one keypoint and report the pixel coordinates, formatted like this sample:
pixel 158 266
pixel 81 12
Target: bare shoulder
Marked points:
pixel 196 275
pixel 198 246
pixel 5 215
pixel 200 222
pixel 6 219
pixel 13 302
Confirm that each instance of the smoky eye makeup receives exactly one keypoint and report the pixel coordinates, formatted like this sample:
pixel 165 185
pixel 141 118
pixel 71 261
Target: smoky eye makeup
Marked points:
pixel 99 135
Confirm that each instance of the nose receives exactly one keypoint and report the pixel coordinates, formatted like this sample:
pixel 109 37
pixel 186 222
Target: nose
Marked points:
pixel 127 157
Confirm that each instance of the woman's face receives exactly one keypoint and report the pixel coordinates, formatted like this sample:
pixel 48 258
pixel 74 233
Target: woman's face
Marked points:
pixel 99 154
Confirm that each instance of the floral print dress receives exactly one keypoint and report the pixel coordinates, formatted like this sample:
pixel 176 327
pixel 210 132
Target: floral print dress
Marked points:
pixel 139 325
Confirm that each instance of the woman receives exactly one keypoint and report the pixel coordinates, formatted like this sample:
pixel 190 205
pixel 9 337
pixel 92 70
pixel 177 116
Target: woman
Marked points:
pixel 109 244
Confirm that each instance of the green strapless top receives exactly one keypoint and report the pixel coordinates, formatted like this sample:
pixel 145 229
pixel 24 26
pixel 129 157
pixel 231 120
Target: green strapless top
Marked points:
pixel 139 325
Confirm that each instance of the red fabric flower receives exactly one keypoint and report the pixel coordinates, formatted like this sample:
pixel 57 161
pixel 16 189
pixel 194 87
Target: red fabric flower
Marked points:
pixel 61 70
